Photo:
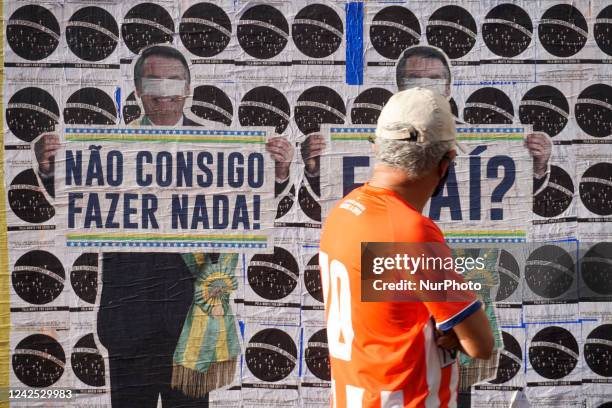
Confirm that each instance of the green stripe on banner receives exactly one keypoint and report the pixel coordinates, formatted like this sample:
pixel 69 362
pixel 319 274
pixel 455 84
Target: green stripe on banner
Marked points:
pixel 71 237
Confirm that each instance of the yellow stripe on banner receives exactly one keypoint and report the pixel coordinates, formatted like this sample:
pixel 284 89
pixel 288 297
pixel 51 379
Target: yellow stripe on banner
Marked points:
pixel 222 353
pixel 196 334
pixel 485 232
pixel 162 138
pixel 351 136
pixel 5 307
pixel 166 236
pixel 478 136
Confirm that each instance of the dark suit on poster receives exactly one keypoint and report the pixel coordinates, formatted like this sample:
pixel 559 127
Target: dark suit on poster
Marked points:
pixel 145 299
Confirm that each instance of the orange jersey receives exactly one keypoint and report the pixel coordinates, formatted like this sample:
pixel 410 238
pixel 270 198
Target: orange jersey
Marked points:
pixel 383 354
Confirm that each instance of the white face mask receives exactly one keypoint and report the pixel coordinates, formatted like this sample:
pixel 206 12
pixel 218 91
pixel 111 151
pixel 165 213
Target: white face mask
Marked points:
pixel 433 84
pixel 163 87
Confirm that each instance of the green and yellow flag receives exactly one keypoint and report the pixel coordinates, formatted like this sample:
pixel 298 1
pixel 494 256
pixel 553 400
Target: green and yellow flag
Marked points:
pixel 207 351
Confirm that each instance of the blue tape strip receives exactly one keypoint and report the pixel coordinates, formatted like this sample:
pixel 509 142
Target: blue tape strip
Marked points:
pixel 301 349
pixel 118 102
pixel 354 43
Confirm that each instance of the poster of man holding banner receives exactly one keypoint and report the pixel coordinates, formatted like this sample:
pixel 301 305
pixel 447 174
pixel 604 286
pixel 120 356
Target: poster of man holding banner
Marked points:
pixel 176 306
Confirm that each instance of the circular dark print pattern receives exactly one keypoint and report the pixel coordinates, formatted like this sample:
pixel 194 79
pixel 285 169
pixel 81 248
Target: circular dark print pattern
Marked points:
pixel 312 278
pixel 273 276
pixel 308 202
pixel 205 29
pixel 317 355
pixel 131 109
pixel 264 106
pixel 563 30
pixel 27 200
pixel 507 30
pixel 598 350
pixel 84 277
pixel 31 112
pixel 317 31
pixel 285 203
pixel 557 196
pixel 87 362
pixel 510 360
pixel 594 110
pixel 316 106
pixel 453 30
pixel 271 355
pixel 146 24
pixel 90 106
pixel 92 34
pixel 33 32
pixel 546 108
pixel 595 268
pixel 368 105
pixel 509 275
pixel 553 352
pixel 596 189
pixel 603 30
pixel 38 361
pixel 211 103
pixel 393 29
pixel 550 271
pixel 263 32
pixel 38 277
pixel 488 106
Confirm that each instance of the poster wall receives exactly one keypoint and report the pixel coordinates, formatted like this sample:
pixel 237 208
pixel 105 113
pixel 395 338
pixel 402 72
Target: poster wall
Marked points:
pixel 167 167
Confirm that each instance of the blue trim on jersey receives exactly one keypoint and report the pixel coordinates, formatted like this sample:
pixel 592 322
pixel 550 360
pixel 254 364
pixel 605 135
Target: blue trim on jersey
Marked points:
pixel 459 317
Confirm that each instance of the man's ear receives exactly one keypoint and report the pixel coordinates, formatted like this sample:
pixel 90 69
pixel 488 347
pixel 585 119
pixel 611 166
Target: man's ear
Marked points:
pixel 446 161
pixel 443 167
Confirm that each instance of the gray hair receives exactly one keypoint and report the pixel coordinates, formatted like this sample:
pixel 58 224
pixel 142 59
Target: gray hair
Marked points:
pixel 415 159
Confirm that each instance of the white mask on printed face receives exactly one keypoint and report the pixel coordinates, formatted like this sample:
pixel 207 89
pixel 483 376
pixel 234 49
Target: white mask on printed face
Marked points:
pixel 437 85
pixel 163 87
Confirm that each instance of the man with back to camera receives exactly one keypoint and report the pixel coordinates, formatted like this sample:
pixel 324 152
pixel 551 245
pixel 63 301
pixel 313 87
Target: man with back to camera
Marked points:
pixel 428 67
pixel 146 297
pixel 385 354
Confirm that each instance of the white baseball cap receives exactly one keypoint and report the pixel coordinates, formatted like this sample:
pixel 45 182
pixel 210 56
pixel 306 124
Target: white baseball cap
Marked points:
pixel 417 115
